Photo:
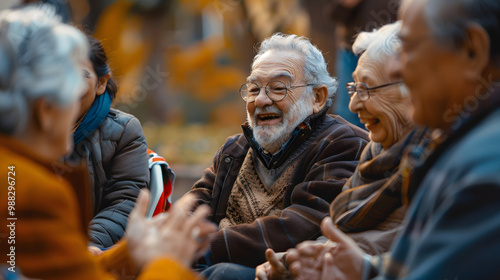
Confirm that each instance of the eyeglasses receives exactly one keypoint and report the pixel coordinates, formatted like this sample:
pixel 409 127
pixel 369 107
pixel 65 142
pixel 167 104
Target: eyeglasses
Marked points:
pixel 275 90
pixel 363 90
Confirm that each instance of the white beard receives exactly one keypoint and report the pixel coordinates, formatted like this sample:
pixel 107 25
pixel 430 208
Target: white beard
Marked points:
pixel 272 138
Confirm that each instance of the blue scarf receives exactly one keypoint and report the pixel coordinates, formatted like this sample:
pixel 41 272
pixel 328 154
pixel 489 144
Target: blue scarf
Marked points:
pixel 94 117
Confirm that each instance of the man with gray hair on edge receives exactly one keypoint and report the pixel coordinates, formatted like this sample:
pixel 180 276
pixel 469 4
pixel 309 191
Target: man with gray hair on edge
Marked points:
pixel 450 61
pixel 271 186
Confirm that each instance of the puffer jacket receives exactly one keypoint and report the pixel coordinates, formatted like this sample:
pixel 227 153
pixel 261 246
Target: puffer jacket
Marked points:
pixel 116 154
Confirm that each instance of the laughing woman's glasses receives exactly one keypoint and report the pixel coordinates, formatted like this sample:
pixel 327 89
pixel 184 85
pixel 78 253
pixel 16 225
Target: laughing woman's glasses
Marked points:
pixel 363 90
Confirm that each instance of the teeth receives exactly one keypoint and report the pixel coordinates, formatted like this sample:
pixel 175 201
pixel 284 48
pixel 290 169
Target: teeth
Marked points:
pixel 268 117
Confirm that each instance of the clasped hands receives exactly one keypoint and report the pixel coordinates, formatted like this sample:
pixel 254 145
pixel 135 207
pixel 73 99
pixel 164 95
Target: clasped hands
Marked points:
pixel 338 258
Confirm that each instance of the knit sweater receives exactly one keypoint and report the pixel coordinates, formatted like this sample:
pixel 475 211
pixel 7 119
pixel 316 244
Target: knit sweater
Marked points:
pixel 331 149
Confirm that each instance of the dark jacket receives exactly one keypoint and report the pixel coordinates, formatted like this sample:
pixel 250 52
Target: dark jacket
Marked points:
pixel 118 168
pixel 330 158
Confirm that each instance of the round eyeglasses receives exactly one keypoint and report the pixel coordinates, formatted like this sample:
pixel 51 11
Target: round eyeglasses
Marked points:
pixel 363 90
pixel 275 90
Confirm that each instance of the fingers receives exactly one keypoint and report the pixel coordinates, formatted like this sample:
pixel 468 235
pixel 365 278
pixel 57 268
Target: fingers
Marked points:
pixel 310 249
pixel 261 271
pixel 332 232
pixel 180 210
pixel 197 224
pixel 159 220
pixel 186 203
pixel 327 267
pixel 141 205
pixel 275 262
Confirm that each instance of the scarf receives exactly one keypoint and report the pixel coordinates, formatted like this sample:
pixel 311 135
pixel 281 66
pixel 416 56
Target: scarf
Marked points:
pixel 94 117
pixel 373 193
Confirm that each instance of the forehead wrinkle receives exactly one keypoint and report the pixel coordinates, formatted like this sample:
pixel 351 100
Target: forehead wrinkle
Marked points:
pixel 275 64
pixel 287 75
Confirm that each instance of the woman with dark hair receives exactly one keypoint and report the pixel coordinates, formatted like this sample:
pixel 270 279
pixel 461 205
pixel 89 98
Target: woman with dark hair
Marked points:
pixel 113 144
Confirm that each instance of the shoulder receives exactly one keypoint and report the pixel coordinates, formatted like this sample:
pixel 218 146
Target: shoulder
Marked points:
pixel 338 128
pixel 471 162
pixel 478 147
pixel 234 144
pixel 39 186
pixel 119 124
pixel 337 125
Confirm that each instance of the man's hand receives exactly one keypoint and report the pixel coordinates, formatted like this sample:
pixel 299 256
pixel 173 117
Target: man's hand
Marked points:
pixel 177 234
pixel 273 269
pixel 306 259
pixel 340 258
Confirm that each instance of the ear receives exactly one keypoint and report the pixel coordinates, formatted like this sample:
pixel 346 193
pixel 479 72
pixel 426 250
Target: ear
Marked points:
pixel 476 51
pixel 101 84
pixel 42 114
pixel 320 98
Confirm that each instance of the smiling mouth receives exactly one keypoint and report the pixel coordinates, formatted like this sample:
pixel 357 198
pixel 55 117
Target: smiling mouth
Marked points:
pixel 371 121
pixel 268 117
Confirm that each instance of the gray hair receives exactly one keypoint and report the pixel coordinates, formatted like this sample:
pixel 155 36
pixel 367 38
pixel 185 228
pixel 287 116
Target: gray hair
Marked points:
pixel 39 59
pixel 448 21
pixel 379 44
pixel 315 68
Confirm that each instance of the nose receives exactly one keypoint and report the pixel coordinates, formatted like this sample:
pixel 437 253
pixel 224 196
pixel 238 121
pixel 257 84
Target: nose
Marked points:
pixel 355 104
pixel 262 99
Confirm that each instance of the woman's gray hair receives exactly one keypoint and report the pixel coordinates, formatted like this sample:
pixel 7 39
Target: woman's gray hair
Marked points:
pixel 315 68
pixel 40 58
pixel 379 44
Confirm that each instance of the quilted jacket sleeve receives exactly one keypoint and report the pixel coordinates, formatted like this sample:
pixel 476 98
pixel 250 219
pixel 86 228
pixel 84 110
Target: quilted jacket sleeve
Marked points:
pixel 126 173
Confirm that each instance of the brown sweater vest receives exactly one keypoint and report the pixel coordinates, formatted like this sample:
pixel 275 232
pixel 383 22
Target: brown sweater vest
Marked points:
pixel 251 199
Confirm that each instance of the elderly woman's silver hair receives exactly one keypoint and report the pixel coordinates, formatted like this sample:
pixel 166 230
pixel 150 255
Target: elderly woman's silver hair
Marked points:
pixel 39 59
pixel 448 21
pixel 315 68
pixel 379 44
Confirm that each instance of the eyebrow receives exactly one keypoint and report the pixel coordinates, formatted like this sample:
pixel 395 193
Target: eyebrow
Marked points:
pixel 273 77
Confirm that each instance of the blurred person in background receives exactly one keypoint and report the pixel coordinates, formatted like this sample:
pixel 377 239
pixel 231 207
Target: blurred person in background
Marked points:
pixel 370 209
pixel 114 147
pixel 271 185
pixel 41 84
pixel 352 17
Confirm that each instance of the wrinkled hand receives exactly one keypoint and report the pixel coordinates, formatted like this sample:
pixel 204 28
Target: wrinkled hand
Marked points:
pixel 177 234
pixel 273 269
pixel 340 258
pixel 305 259
pixel 94 251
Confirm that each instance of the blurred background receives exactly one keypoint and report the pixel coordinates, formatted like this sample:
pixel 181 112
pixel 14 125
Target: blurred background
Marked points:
pixel 179 64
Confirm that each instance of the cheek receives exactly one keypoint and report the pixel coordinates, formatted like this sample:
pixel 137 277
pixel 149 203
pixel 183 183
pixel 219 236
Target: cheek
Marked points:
pixel 250 108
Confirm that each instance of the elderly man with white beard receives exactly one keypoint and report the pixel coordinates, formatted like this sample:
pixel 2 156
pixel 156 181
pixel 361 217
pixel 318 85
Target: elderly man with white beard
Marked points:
pixel 271 186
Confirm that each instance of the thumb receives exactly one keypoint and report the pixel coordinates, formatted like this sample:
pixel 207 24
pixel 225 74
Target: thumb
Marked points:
pixel 332 232
pixel 141 204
